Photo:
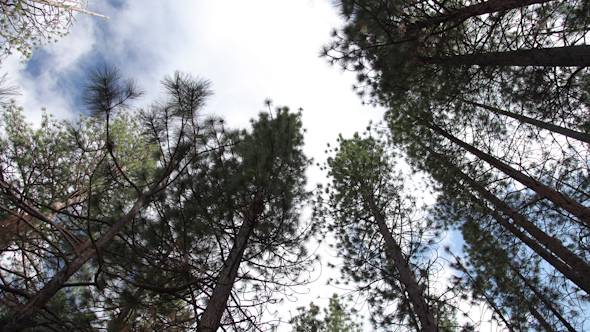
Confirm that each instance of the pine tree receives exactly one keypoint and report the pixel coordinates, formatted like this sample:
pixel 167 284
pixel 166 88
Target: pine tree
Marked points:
pixel 504 136
pixel 379 237
pixel 526 239
pixel 224 238
pixel 261 180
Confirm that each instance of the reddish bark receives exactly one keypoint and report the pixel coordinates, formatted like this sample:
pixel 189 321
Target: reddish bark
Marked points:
pixel 406 277
pixel 562 201
pixel 541 124
pixel 211 318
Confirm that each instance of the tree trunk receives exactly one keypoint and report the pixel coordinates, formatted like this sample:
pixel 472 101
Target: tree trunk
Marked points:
pixel 539 317
pixel 562 201
pixel 577 270
pixel 407 278
pixel 567 56
pixel 544 125
pixel 23 318
pixel 462 14
pixel 572 274
pixel 489 300
pixel 543 299
pixel 211 318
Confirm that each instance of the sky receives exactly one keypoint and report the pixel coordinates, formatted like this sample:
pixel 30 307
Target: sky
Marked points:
pixel 249 50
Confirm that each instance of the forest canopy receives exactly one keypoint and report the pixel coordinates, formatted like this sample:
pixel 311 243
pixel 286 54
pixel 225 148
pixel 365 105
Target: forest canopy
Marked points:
pixel 465 207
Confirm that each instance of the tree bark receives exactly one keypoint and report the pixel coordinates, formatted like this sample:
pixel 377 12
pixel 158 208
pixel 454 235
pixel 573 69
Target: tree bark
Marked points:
pixel 539 317
pixel 23 318
pixel 571 265
pixel 211 318
pixel 462 14
pixel 489 300
pixel 572 274
pixel 543 299
pixel 541 124
pixel 407 278
pixel 562 201
pixel 566 56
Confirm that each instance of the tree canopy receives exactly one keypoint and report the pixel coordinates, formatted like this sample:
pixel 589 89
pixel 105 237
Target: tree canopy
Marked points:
pixel 130 219
pixel 470 194
pixel 482 98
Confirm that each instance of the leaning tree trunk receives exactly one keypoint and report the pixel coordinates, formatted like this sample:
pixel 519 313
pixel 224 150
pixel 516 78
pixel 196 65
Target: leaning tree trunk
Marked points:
pixel 566 56
pixel 211 318
pixel 458 15
pixel 541 124
pixel 406 277
pixel 546 326
pixel 569 264
pixel 23 317
pixel 580 211
pixel 572 274
pixel 543 299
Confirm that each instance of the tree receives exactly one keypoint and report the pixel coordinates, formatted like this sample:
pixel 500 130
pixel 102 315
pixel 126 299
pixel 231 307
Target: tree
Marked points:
pixel 379 236
pixel 506 136
pixel 399 49
pixel 225 237
pixel 336 318
pixel 262 178
pixel 466 204
pixel 581 136
pixel 497 274
pixel 27 24
pixel 437 108
pixel 112 166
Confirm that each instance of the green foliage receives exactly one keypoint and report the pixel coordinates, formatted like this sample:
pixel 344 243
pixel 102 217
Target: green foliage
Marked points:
pixel 336 318
pixel 108 91
pixel 171 261
pixel 69 188
pixel 366 205
pixel 426 63
pixel 62 171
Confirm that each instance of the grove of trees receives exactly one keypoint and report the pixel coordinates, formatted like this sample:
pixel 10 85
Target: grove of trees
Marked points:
pixel 489 99
pixel 164 219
